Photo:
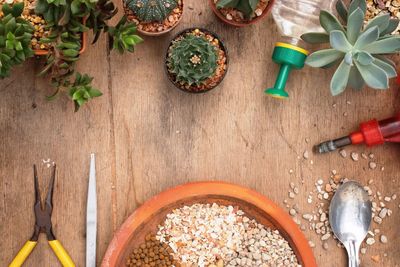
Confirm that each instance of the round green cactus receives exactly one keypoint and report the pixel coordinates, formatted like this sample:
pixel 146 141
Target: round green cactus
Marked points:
pixel 192 59
pixel 151 10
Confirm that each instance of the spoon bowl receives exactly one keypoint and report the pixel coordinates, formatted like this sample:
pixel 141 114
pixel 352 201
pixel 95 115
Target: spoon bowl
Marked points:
pixel 350 214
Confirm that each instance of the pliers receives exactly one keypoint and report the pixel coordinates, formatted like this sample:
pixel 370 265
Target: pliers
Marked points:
pixel 43 225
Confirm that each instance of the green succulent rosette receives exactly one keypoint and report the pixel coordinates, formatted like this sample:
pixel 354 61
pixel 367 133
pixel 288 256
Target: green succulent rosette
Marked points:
pixel 192 59
pixel 357 48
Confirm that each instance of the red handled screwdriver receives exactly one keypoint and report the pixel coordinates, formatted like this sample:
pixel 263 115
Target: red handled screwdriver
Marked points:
pixel 371 133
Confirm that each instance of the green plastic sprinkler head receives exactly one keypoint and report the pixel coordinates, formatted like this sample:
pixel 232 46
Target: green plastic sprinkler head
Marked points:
pixel 288 56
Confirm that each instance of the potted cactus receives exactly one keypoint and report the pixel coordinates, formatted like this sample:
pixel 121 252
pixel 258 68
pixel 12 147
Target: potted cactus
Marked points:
pixel 196 60
pixel 241 13
pixel 154 17
pixel 357 48
pixel 56 30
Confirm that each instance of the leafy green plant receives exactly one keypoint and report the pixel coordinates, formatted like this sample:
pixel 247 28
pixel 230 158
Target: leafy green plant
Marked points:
pixel 192 59
pixel 151 10
pixel 359 49
pixel 15 38
pixel 66 20
pixel 247 7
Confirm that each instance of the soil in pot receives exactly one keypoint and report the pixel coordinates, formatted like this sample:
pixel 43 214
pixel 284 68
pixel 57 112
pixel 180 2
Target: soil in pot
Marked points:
pixel 154 17
pixel 196 61
pixel 237 17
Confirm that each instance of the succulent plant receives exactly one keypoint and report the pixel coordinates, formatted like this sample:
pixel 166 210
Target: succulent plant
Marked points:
pixel 151 10
pixel 247 7
pixel 15 37
pixel 358 48
pixel 66 20
pixel 192 59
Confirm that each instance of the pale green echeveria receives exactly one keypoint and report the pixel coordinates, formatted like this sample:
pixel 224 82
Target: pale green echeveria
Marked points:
pixel 358 48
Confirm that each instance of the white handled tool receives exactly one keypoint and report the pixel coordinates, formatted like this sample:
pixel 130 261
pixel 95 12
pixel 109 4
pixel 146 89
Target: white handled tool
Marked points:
pixel 91 216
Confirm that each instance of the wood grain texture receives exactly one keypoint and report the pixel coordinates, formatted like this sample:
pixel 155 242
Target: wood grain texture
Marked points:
pixel 149 136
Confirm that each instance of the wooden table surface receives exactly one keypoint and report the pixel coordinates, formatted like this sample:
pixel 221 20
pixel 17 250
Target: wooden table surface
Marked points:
pixel 149 136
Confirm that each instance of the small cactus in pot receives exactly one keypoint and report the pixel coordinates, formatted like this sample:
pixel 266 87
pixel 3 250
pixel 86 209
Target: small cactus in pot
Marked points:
pixel 241 12
pixel 196 61
pixel 358 50
pixel 154 17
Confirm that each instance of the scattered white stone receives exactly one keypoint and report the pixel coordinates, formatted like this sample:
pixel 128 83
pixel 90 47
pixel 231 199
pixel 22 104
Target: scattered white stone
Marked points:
pixel 383 239
pixel 370 241
pixel 372 165
pixel 354 156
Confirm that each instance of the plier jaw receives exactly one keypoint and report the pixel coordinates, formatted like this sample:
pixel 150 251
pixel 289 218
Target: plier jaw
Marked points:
pixel 43 212
pixel 43 225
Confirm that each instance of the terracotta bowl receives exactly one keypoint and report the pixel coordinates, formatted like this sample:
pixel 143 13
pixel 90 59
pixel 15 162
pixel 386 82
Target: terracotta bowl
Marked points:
pixel 238 24
pixel 146 218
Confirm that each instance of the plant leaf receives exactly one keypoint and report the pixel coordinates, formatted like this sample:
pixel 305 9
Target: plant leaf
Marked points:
pixel 356 81
pixel 367 37
pixel 358 3
pixel 388 68
pixel 329 22
pixel 339 41
pixel 373 76
pixel 315 37
pixel 384 46
pixel 227 3
pixel 323 57
pixel 340 78
pixel 341 10
pixel 354 25
pixel 393 23
pixel 382 21
pixel 364 58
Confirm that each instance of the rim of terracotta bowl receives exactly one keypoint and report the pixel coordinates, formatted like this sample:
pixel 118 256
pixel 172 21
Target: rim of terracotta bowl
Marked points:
pixel 43 52
pixel 241 24
pixel 156 33
pixel 222 43
pixel 142 214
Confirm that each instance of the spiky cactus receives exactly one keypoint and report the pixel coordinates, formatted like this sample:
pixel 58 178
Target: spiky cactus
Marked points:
pixel 247 7
pixel 192 59
pixel 151 10
pixel 15 38
pixel 358 48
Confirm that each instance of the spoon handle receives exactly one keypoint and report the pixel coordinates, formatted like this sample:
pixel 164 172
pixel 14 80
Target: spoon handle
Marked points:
pixel 352 250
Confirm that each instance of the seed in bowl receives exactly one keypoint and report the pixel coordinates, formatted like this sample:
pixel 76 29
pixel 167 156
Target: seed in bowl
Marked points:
pixel 152 253
pixel 204 234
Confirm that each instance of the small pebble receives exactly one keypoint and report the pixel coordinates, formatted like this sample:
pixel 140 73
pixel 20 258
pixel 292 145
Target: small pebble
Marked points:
pixel 354 156
pixel 370 241
pixel 383 239
pixel 343 153
pixel 372 165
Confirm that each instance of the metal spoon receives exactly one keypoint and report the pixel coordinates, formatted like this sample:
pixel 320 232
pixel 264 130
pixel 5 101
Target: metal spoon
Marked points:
pixel 350 217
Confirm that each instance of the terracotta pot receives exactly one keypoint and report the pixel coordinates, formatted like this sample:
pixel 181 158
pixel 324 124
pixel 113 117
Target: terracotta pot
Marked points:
pixel 146 218
pixel 156 33
pixel 223 48
pixel 238 24
pixel 41 52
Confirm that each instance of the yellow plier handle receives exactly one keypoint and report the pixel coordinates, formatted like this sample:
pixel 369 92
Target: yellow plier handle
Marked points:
pixel 23 254
pixel 55 245
pixel 61 253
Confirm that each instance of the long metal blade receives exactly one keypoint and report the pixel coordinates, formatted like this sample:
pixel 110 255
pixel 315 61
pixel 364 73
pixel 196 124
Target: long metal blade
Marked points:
pixel 91 216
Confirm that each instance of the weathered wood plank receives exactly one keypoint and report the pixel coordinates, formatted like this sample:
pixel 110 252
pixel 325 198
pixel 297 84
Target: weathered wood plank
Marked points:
pixel 33 129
